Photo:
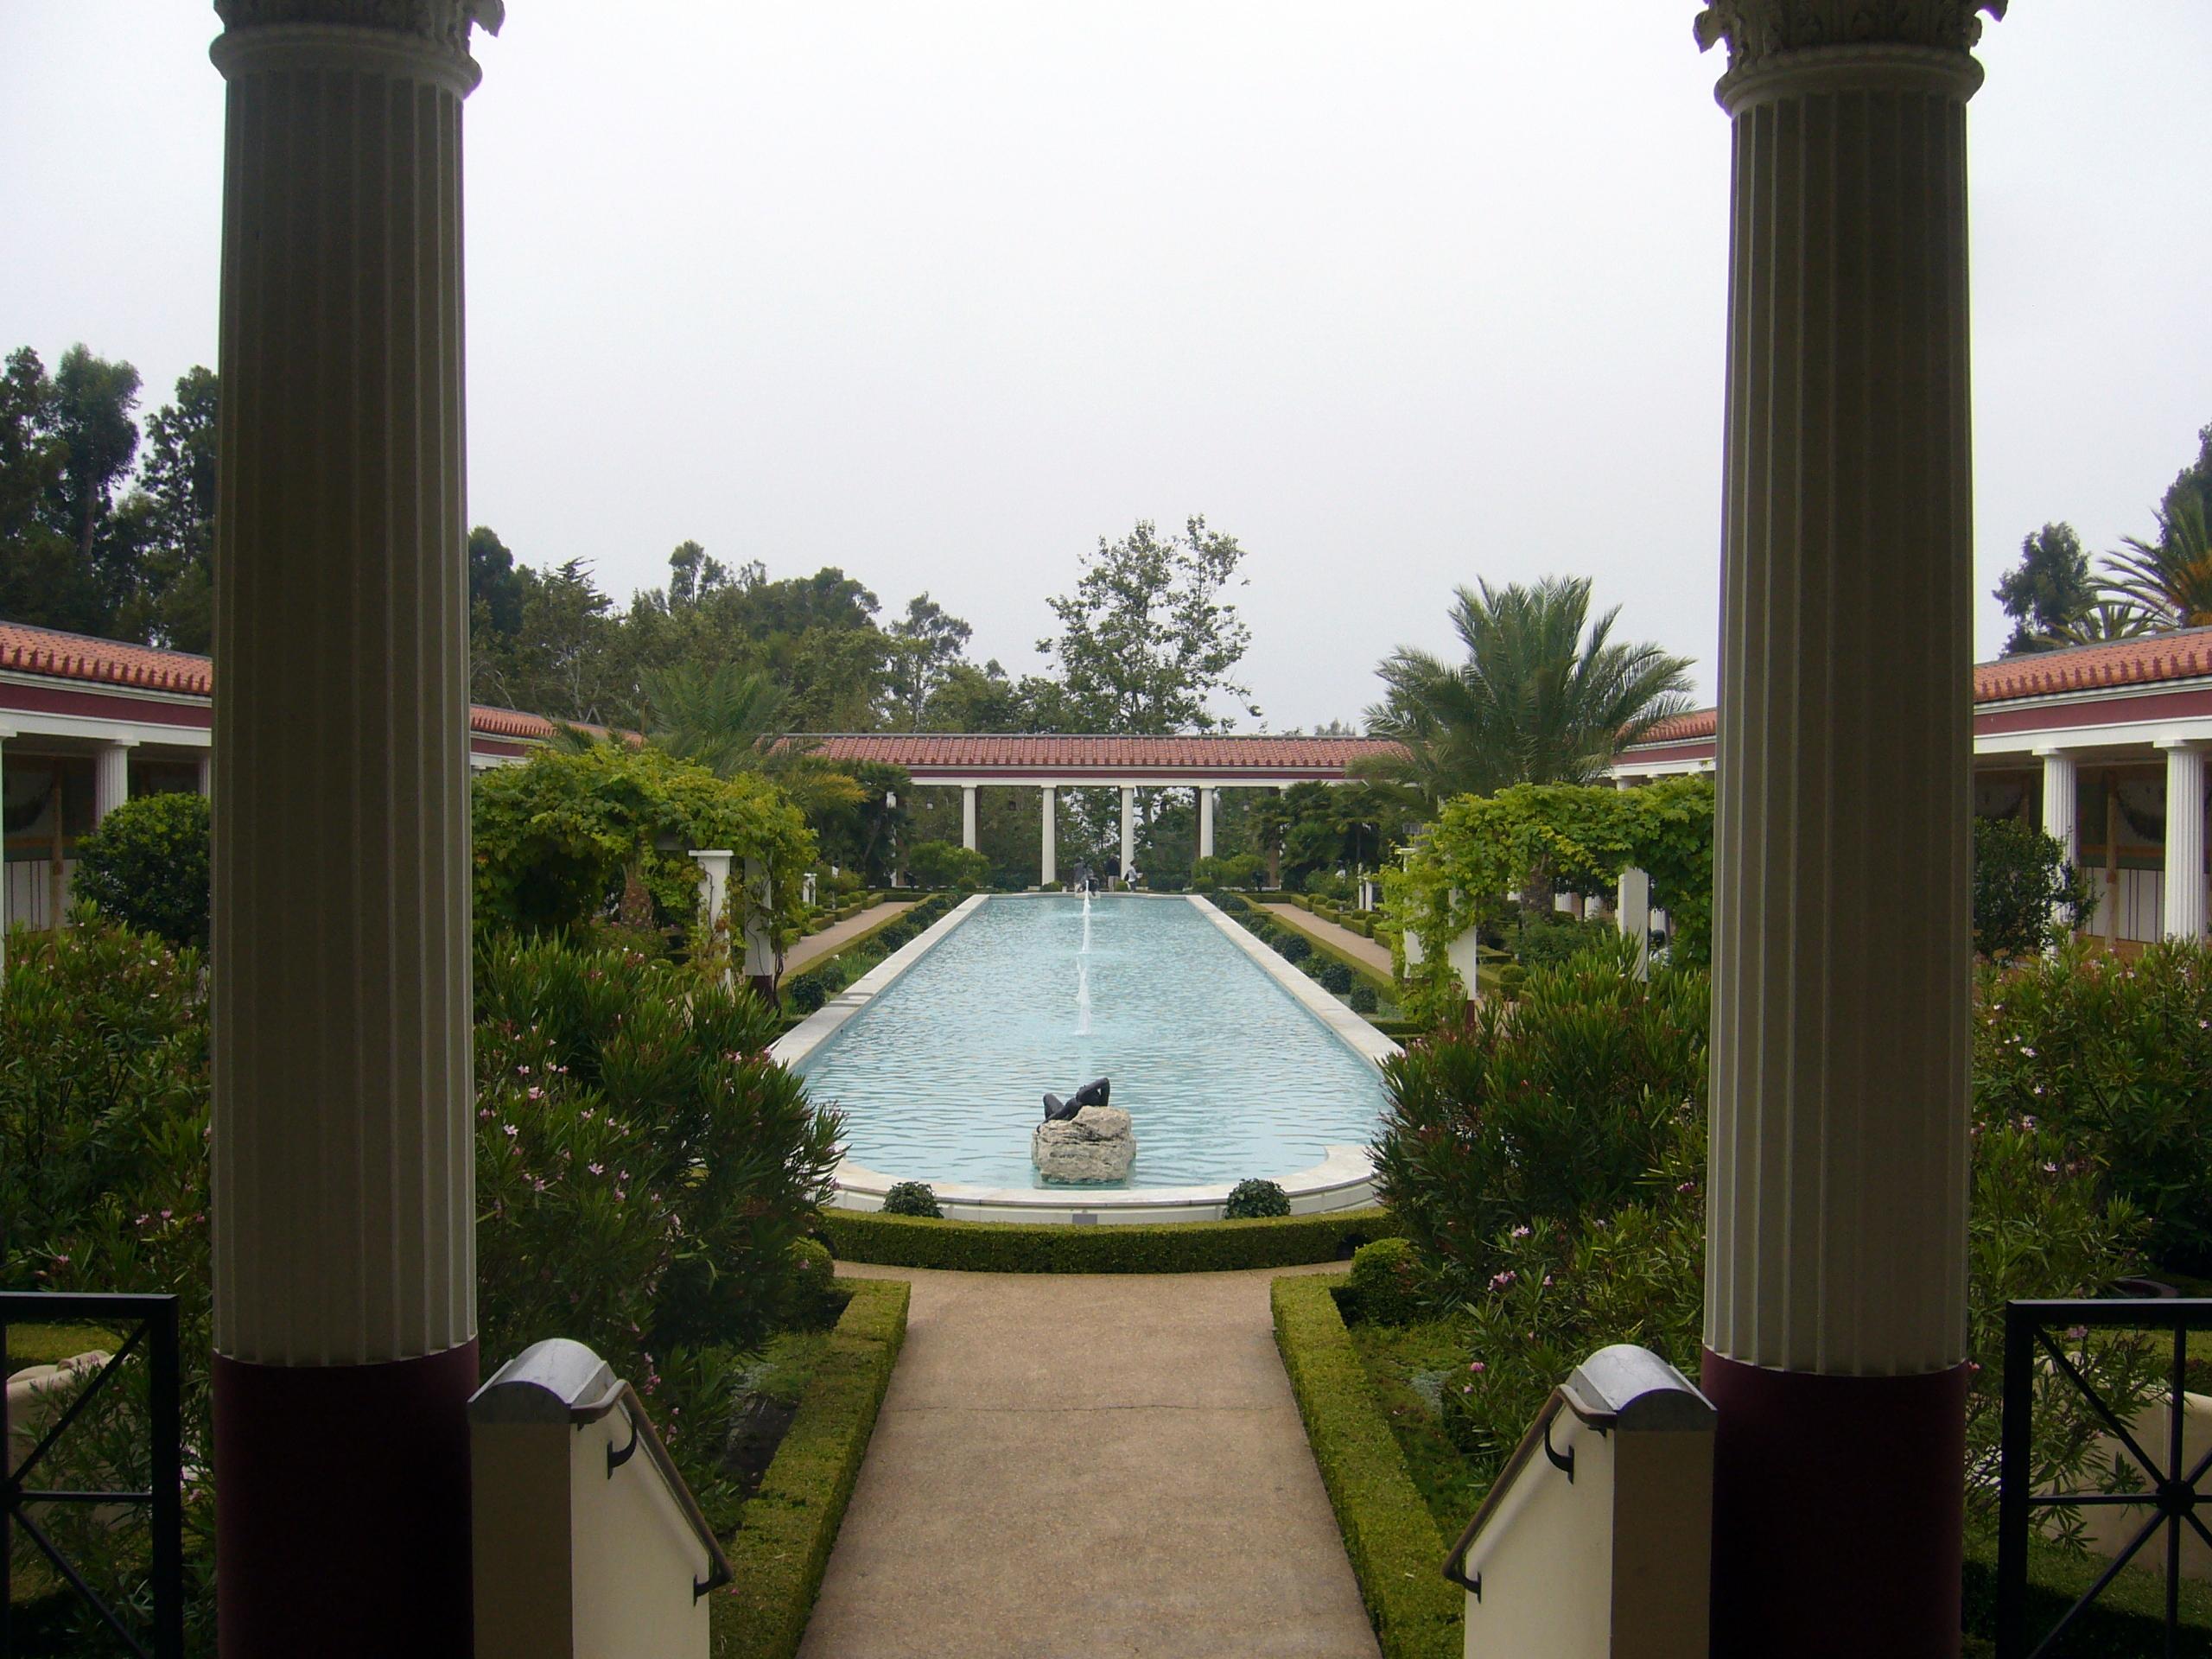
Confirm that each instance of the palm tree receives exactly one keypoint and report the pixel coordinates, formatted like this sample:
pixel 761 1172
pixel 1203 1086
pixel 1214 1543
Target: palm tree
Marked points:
pixel 729 720
pixel 1544 696
pixel 2105 620
pixel 2169 580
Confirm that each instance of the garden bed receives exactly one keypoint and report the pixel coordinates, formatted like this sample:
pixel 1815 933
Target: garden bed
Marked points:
pixel 787 1528
pixel 1170 1247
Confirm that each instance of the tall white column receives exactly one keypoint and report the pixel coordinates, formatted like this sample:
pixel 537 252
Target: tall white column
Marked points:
pixel 1049 874
pixel 206 785
pixel 1836 1289
pixel 2061 809
pixel 111 776
pixel 2184 883
pixel 1129 832
pixel 968 816
pixel 344 1129
pixel 1205 821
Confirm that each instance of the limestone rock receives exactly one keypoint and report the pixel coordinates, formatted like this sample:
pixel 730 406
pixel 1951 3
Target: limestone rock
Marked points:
pixel 1098 1144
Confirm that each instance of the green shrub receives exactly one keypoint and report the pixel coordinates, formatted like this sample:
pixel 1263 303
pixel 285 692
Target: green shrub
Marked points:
pixel 1551 939
pixel 1364 998
pixel 146 867
pixel 1326 884
pixel 916 1198
pixel 2026 896
pixel 815 1299
pixel 1238 870
pixel 1157 1246
pixel 1336 977
pixel 1386 1281
pixel 804 994
pixel 1557 1106
pixel 1250 1200
pixel 1395 1547
pixel 790 1525
pixel 2114 1057
pixel 1290 945
pixel 941 864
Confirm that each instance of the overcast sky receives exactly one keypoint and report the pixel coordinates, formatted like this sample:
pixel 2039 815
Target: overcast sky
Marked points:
pixel 1400 295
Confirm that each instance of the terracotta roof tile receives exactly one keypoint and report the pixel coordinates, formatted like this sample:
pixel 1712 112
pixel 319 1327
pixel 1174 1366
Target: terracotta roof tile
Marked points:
pixel 996 751
pixel 26 650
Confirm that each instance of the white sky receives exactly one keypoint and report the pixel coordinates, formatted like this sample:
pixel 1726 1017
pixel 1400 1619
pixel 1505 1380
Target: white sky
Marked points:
pixel 1400 295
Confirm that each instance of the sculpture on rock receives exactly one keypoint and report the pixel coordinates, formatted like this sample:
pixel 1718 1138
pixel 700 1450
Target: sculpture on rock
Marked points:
pixel 1093 1093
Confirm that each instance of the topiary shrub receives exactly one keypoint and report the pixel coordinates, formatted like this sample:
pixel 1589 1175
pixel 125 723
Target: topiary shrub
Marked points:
pixel 146 867
pixel 1364 999
pixel 913 1199
pixel 805 993
pixel 1292 946
pixel 1386 1281
pixel 1254 1200
pixel 1336 977
pixel 816 1302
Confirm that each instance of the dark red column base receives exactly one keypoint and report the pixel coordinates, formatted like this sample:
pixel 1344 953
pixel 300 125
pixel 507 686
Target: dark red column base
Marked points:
pixel 1837 1513
pixel 342 1509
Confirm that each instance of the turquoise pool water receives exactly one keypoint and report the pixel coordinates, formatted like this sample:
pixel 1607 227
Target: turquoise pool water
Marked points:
pixel 943 1075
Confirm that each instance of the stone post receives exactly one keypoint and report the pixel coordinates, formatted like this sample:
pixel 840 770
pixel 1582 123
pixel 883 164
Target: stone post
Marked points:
pixel 968 816
pixel 1836 1289
pixel 1129 832
pixel 1049 874
pixel 760 965
pixel 714 905
pixel 206 780
pixel 2185 882
pixel 111 776
pixel 344 1129
pixel 1633 913
pixel 2061 807
pixel 1205 821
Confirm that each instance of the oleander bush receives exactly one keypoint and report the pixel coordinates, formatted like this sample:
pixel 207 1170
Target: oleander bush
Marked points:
pixel 146 866
pixel 1249 1200
pixel 914 1198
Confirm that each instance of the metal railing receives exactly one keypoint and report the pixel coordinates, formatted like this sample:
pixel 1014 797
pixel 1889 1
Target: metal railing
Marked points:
pixel 149 1324
pixel 2173 1493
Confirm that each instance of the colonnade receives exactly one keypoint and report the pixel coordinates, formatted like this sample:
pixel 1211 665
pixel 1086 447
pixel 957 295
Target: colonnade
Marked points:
pixel 1048 861
pixel 2184 895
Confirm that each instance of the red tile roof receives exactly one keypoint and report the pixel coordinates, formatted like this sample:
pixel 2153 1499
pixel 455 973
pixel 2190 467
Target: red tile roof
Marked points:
pixel 2154 659
pixel 986 752
pixel 26 650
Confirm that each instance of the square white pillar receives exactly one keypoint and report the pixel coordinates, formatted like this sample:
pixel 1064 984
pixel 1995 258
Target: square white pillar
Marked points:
pixel 111 776
pixel 1128 831
pixel 968 816
pixel 1049 873
pixel 2184 906
pixel 1633 912
pixel 760 940
pixel 1206 823
pixel 207 775
pixel 714 866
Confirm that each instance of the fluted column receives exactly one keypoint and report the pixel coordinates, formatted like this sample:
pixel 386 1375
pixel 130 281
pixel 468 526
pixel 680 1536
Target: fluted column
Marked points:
pixel 1205 821
pixel 2185 882
pixel 1129 833
pixel 1835 1291
pixel 968 816
pixel 2061 809
pixel 1049 874
pixel 111 776
pixel 343 1144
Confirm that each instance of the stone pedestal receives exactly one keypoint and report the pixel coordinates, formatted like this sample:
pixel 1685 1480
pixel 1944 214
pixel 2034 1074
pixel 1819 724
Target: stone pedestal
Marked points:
pixel 1096 1145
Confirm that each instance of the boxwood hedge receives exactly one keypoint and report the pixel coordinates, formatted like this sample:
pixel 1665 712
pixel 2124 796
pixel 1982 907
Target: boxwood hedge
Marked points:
pixel 1396 1552
pixel 782 1547
pixel 1110 1247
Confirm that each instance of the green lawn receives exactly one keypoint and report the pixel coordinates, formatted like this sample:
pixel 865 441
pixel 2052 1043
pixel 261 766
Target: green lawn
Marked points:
pixel 49 1345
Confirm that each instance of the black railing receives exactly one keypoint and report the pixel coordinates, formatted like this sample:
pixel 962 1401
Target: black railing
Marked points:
pixel 2171 1492
pixel 147 1323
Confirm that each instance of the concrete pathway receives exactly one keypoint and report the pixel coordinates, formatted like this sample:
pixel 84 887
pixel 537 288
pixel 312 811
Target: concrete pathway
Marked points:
pixel 1068 1466
pixel 833 938
pixel 1357 946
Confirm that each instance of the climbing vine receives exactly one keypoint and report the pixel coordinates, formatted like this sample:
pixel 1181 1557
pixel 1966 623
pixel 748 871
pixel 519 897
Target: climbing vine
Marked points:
pixel 1570 837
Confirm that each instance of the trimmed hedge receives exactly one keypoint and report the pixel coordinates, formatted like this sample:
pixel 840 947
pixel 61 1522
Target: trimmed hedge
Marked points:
pixel 1395 1549
pixel 1110 1247
pixel 807 990
pixel 783 1543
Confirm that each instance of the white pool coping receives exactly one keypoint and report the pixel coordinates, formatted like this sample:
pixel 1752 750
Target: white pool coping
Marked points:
pixel 1343 1179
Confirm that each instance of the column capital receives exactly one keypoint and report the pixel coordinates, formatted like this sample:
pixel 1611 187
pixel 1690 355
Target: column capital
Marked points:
pixel 1847 42
pixel 2185 745
pixel 2052 752
pixel 416 36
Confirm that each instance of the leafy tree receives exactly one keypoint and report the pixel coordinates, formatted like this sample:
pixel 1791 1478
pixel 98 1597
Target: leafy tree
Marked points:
pixel 2026 897
pixel 92 401
pixel 560 660
pixel 2049 591
pixel 495 587
pixel 2168 579
pixel 728 719
pixel 146 866
pixel 942 864
pixel 927 644
pixel 1146 638
pixel 2194 482
pixel 170 518
pixel 42 581
pixel 1543 696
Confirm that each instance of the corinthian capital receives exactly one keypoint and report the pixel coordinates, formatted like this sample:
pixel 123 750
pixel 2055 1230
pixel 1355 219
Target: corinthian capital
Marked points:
pixel 443 22
pixel 1759 30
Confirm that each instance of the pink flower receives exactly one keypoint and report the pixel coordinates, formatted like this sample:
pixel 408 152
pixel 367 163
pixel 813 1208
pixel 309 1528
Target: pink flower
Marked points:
pixel 1519 1232
pixel 596 1169
pixel 510 1130
pixel 1476 1367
